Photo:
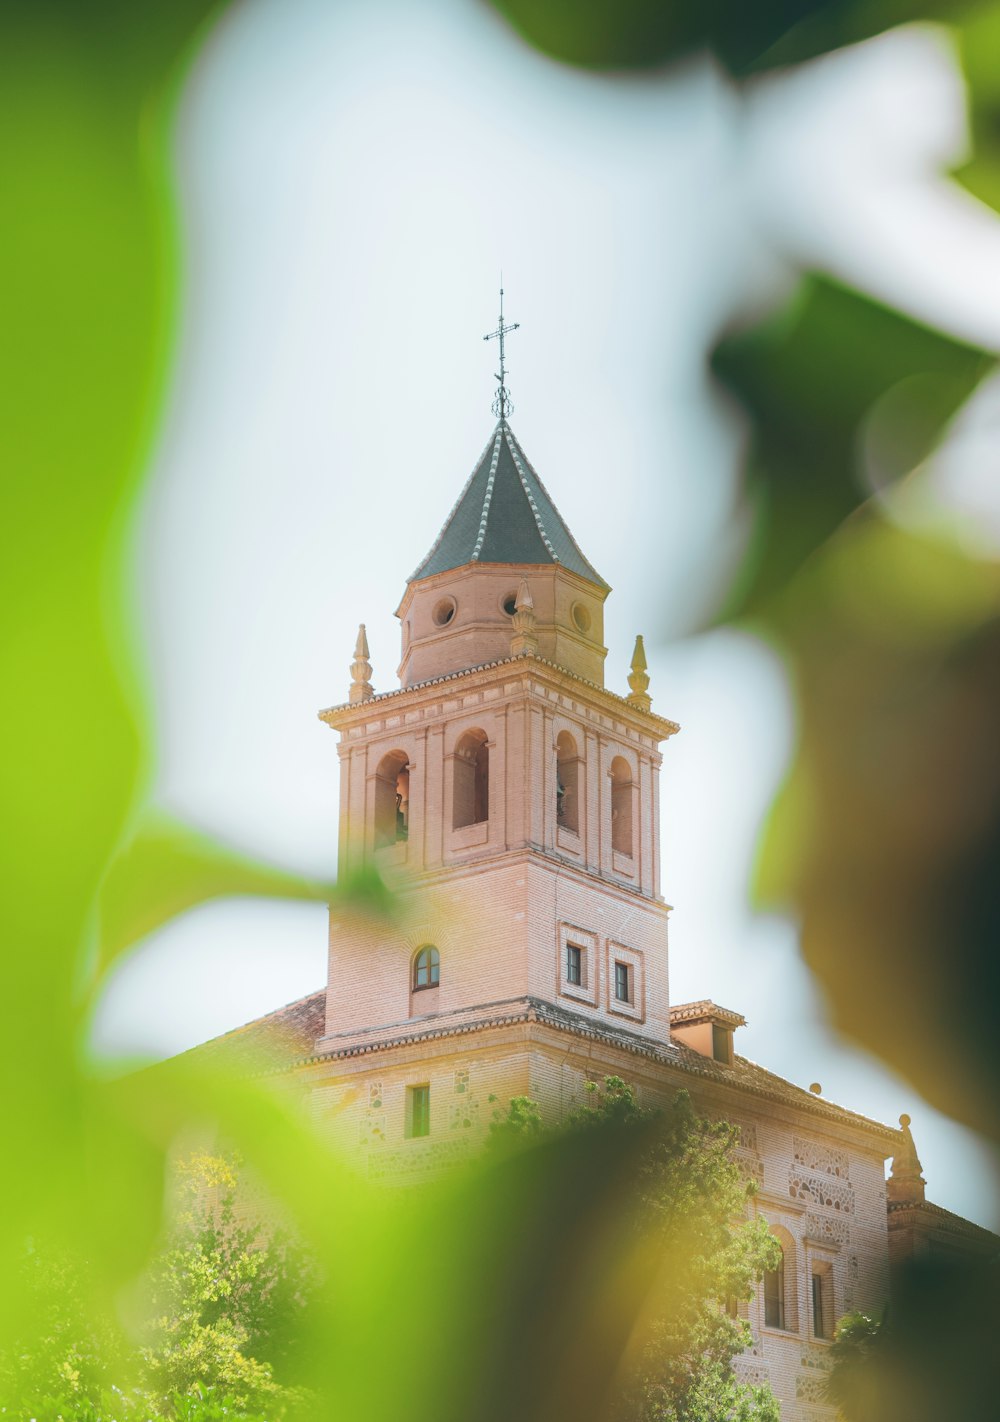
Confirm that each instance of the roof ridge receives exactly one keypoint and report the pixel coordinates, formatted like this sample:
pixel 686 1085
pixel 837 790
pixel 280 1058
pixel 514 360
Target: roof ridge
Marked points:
pixel 488 496
pixel 454 508
pixel 555 508
pixel 513 446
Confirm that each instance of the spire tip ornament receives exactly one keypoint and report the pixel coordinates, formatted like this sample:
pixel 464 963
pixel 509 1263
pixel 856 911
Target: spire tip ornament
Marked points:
pixel 361 670
pixel 638 679
pixel 502 404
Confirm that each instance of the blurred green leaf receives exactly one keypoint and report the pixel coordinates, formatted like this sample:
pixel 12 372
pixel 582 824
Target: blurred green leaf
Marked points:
pixel 168 867
pixel 886 836
pixel 812 380
pixel 978 43
pixel 645 34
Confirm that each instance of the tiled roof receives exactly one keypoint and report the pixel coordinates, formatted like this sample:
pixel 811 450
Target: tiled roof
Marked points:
pixel 504 515
pixel 286 1039
pixel 272 1043
pixel 899 1211
pixel 706 1011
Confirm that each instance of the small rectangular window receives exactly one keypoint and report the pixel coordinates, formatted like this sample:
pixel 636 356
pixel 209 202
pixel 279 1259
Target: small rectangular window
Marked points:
pixel 418 1111
pixel 622 992
pixel 574 964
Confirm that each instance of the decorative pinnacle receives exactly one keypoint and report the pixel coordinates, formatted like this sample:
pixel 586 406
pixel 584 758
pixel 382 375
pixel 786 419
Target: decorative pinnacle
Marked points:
pixel 361 670
pixel 638 679
pixel 524 638
pixel 906 1184
pixel 502 404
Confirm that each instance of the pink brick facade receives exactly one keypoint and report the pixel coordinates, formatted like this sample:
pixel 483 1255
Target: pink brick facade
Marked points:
pixel 513 803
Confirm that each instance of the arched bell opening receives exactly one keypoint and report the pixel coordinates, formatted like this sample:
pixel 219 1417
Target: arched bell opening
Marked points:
pixel 622 793
pixel 392 799
pixel 568 783
pixel 471 802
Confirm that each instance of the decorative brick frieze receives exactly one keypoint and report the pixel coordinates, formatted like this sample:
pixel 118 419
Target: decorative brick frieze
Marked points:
pixel 823 1229
pixel 820 1190
pixel 820 1159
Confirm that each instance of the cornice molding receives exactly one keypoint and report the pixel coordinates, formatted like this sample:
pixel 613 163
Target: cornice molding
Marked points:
pixel 347 714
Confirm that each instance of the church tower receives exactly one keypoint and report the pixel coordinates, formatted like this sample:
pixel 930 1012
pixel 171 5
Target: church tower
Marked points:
pixel 510 798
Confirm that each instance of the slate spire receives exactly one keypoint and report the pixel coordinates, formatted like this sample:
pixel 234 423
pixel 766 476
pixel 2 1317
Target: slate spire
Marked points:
pixel 504 515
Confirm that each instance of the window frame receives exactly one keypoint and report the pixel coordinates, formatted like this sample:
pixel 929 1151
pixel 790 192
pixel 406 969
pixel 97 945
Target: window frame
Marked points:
pixel 432 968
pixel 418 1118
pixel 583 993
pixel 623 978
pixel 777 1298
pixel 632 1008
pixel 574 965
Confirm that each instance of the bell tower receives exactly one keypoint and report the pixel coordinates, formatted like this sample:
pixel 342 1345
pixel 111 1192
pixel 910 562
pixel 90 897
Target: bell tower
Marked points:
pixel 507 794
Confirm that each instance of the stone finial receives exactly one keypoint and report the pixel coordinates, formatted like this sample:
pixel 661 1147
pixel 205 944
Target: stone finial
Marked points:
pixel 638 679
pixel 906 1184
pixel 524 638
pixel 361 670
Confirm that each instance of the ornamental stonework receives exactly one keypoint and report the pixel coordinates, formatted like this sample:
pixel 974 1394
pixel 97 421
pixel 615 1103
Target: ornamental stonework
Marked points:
pixel 427 1158
pixel 822 1229
pixel 822 1191
pixel 819 1159
pixel 812 1389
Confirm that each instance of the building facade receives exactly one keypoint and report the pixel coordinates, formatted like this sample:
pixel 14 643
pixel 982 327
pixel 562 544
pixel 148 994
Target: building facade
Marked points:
pixel 512 799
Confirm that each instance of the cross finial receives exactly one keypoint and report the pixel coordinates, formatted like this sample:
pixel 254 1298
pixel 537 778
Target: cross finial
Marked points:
pixel 502 405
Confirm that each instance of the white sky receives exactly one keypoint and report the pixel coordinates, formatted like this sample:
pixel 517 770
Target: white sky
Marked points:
pixel 352 179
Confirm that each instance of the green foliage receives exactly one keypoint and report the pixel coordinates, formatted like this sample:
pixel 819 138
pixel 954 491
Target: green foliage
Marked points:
pixel 643 34
pixel 933 1355
pixel 686 1214
pixel 218 1320
pixel 890 641
pixel 855 1339
pixel 223 1300
pixel 522 1120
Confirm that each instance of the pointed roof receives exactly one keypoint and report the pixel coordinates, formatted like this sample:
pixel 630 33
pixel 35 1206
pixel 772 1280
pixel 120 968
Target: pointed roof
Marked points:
pixel 504 515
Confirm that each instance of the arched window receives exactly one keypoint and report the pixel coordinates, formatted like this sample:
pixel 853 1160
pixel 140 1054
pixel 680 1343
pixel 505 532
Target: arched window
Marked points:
pixel 621 806
pixel 567 783
pixel 426 968
pixel 472 780
pixel 392 799
pixel 780 1294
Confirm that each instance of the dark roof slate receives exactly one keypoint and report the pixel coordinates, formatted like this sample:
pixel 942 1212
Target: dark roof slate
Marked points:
pixel 504 515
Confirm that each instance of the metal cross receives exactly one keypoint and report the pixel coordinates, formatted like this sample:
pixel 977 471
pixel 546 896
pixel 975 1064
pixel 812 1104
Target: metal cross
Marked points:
pixel 502 404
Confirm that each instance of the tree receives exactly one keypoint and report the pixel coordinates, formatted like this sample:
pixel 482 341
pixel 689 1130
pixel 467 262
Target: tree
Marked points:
pixel 855 1343
pixel 690 1204
pixel 226 1294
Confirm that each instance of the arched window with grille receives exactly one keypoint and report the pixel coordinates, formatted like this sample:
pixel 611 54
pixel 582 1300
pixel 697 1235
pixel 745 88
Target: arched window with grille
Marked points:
pixel 567 783
pixel 426 968
pixel 622 791
pixel 392 799
pixel 471 804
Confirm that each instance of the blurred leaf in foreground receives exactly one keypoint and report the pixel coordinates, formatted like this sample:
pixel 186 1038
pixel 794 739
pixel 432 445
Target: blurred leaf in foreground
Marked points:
pixel 841 393
pixel 934 1355
pixel 168 867
pixel 643 34
pixel 886 837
